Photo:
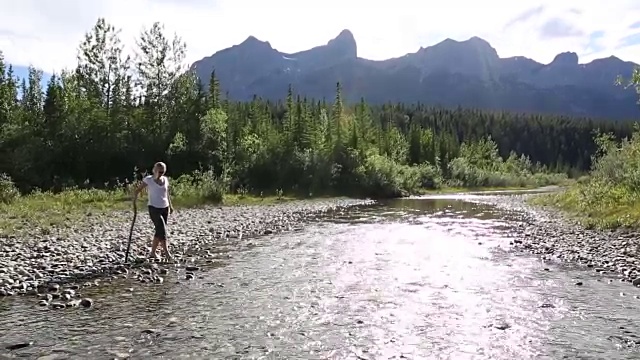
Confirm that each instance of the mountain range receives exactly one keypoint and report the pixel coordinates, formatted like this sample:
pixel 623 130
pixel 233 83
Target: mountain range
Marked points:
pixel 451 73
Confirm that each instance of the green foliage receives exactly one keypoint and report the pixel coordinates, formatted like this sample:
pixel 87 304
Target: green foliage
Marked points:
pixel 610 196
pixel 634 81
pixel 380 176
pixel 199 187
pixel 8 190
pixel 480 165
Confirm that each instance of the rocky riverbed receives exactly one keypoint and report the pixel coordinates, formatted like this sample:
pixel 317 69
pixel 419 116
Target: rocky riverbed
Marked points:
pixel 427 278
pixel 554 236
pixel 58 265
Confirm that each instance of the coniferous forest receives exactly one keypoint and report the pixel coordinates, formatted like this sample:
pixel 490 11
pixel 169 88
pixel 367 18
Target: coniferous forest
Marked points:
pixel 113 116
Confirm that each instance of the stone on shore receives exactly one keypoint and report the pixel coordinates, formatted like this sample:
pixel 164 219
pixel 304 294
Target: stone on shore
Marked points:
pixel 551 235
pixel 64 260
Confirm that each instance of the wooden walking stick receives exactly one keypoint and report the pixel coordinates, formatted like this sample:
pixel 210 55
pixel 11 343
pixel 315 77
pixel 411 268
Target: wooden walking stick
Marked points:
pixel 133 222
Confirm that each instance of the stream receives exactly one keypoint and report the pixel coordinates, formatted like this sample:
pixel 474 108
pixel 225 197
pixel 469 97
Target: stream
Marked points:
pixel 422 278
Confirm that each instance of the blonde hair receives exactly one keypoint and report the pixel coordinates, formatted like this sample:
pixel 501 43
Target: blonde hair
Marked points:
pixel 160 165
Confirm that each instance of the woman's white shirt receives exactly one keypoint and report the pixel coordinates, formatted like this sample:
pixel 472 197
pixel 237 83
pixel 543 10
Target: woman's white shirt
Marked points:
pixel 158 194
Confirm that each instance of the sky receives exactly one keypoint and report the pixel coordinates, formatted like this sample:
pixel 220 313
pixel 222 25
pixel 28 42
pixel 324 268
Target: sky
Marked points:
pixel 46 33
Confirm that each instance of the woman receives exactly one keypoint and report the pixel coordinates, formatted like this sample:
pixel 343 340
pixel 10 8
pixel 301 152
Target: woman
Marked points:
pixel 160 207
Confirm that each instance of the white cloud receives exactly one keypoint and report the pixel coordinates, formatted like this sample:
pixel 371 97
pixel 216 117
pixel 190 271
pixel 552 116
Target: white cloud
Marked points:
pixel 46 33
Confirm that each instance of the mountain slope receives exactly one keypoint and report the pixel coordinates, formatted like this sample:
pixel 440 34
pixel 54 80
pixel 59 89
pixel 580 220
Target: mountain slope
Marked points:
pixel 451 73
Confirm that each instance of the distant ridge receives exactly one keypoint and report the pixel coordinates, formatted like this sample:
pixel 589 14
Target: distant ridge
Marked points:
pixel 451 73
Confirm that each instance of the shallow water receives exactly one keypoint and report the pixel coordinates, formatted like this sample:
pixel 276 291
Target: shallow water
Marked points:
pixel 431 278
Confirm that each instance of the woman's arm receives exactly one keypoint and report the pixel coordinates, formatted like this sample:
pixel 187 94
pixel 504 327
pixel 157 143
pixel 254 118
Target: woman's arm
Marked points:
pixel 138 190
pixel 169 197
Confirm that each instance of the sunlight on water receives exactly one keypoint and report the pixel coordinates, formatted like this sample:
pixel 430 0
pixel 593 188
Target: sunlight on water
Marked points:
pixel 430 278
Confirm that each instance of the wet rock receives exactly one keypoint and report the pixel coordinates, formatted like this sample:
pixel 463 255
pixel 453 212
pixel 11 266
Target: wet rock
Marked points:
pixel 548 232
pixel 69 292
pixel 86 303
pixel 52 357
pixel 57 305
pixel 73 303
pixel 191 268
pixel 71 258
pixel 18 346
pixel 119 354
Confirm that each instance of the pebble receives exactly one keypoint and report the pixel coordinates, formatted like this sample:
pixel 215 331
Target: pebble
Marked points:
pixel 51 357
pixel 55 264
pixel 18 346
pixel 86 302
pixel 551 234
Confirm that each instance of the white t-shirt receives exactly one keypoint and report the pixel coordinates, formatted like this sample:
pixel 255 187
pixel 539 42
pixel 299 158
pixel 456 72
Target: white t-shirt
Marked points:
pixel 158 194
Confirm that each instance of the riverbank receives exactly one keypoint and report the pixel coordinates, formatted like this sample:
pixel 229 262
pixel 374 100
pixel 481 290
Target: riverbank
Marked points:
pixel 609 196
pixel 594 208
pixel 555 235
pixel 455 190
pixel 43 213
pixel 95 249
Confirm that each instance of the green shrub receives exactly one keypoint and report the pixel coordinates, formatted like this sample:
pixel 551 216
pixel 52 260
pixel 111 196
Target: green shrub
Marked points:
pixel 199 188
pixel 381 177
pixel 499 174
pixel 8 190
pixel 610 196
pixel 430 176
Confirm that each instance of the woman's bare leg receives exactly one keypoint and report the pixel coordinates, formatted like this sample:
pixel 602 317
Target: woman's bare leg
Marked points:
pixel 165 250
pixel 154 247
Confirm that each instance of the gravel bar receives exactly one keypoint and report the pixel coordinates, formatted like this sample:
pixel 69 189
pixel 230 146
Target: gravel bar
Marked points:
pixel 55 265
pixel 554 236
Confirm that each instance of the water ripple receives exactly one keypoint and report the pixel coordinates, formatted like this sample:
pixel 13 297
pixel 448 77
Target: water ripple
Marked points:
pixel 414 279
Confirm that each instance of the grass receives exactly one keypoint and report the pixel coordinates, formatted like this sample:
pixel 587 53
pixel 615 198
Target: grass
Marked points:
pixel 593 208
pixel 609 197
pixel 47 210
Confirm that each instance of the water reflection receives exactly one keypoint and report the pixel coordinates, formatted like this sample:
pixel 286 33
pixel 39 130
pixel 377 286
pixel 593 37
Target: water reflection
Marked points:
pixel 412 278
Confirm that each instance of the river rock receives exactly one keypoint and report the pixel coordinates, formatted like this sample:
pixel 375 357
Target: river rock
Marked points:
pixel 17 346
pixel 549 232
pixel 68 258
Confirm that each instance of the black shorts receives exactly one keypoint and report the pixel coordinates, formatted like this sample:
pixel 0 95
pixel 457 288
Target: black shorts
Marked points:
pixel 159 216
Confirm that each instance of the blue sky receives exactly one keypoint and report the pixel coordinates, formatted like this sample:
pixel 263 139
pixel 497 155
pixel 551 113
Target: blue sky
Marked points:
pixel 23 72
pixel 47 33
